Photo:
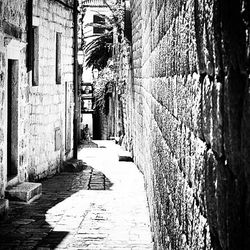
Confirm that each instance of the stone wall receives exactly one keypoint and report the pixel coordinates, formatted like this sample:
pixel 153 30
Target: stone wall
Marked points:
pixel 189 106
pixel 12 45
pixel 51 108
pixel 43 113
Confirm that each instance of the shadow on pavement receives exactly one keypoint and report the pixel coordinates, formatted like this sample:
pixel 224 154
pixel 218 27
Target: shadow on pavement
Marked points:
pixel 26 226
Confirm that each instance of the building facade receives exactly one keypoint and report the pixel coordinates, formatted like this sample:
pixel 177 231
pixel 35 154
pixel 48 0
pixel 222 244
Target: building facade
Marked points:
pixel 36 89
pixel 13 92
pixel 51 97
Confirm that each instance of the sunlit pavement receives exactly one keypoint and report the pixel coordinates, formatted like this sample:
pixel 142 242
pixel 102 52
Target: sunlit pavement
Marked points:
pixel 103 207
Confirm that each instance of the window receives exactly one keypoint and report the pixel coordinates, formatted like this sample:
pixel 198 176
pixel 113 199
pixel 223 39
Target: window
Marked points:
pixel 98 20
pixel 86 97
pixel 35 56
pixel 58 58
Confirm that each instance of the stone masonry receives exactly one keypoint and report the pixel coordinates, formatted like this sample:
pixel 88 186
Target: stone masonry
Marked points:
pixel 47 100
pixel 12 28
pixel 189 106
pixel 43 114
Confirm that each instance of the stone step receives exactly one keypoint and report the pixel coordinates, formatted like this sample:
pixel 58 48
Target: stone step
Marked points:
pixel 24 192
pixel 4 206
pixel 74 165
pixel 125 156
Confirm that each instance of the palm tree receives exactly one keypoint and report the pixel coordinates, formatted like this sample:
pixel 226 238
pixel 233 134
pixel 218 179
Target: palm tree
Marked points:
pixel 99 50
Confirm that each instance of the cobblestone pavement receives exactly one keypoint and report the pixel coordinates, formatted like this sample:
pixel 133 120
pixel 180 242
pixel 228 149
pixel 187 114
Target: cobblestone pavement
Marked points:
pixel 103 207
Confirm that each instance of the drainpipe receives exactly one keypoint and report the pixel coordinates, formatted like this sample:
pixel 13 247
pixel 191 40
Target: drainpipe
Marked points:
pixel 75 80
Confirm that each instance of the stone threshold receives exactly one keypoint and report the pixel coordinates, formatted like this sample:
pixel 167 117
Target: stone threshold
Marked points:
pixel 125 156
pixel 25 192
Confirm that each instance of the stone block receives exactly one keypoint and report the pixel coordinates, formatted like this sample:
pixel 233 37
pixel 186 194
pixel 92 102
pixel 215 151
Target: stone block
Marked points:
pixel 125 156
pixel 74 166
pixel 217 141
pixel 207 109
pixel 1 136
pixel 24 192
pixel 1 155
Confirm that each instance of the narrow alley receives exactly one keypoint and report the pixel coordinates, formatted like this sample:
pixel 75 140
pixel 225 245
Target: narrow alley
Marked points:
pixel 125 124
pixel 102 207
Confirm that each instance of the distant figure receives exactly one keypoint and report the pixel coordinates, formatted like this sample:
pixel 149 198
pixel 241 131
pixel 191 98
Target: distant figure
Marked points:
pixel 120 138
pixel 86 133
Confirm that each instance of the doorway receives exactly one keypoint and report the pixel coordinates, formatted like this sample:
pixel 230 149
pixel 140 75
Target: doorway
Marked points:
pixel 12 120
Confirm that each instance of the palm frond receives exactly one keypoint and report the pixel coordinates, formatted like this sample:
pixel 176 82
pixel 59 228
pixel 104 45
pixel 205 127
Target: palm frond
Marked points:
pixel 98 51
pixel 100 41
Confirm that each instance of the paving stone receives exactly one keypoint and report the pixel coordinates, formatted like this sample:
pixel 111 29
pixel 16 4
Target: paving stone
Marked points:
pixel 70 216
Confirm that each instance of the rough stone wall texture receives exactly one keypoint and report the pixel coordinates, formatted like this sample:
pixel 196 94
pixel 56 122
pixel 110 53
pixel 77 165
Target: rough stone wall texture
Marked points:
pixel 44 112
pixel 47 100
pixel 189 106
pixel 23 120
pixel 2 114
pixel 12 27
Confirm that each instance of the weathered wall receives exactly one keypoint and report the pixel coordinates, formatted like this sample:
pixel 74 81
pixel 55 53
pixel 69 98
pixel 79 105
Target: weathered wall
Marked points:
pixel 12 45
pixel 49 113
pixel 189 107
pixel 2 114
pixel 44 109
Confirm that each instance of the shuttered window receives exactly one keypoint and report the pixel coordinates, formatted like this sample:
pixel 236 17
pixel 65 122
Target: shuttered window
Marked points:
pixel 35 55
pixel 58 58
